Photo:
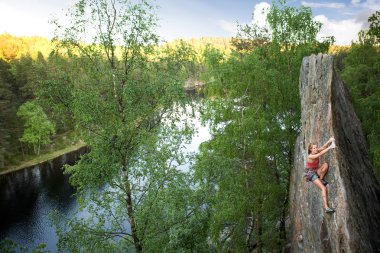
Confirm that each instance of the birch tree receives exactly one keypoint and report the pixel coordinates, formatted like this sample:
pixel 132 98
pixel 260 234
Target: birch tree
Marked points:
pixel 126 100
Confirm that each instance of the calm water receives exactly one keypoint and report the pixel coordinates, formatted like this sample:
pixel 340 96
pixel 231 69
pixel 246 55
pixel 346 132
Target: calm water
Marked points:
pixel 26 198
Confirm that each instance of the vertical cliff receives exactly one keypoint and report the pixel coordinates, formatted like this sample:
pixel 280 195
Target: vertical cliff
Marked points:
pixel 352 190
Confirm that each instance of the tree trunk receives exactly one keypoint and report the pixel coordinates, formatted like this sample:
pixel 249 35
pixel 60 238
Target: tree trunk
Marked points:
pixel 131 216
pixel 259 227
pixel 250 226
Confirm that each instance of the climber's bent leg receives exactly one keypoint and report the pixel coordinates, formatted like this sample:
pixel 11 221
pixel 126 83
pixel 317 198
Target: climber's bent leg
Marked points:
pixel 322 170
pixel 323 188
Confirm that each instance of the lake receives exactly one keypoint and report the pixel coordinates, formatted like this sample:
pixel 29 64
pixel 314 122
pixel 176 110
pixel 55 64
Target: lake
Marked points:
pixel 28 196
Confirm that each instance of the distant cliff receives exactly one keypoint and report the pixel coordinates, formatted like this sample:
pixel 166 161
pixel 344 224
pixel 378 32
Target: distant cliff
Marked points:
pixel 352 190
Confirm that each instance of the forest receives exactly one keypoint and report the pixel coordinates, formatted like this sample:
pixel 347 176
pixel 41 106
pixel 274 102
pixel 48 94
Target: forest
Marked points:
pixel 122 94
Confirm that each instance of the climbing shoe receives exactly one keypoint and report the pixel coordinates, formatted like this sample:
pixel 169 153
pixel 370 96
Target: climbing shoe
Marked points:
pixel 329 210
pixel 324 182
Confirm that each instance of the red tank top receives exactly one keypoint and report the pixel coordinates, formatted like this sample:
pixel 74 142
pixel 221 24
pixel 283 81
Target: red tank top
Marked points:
pixel 312 165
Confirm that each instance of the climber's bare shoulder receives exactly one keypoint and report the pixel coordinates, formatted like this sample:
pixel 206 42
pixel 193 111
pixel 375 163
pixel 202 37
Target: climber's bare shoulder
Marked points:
pixel 312 157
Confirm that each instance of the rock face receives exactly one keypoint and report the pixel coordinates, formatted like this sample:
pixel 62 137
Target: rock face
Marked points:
pixel 352 190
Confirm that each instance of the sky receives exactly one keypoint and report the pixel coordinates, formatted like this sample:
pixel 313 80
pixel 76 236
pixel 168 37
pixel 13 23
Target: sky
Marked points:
pixel 197 18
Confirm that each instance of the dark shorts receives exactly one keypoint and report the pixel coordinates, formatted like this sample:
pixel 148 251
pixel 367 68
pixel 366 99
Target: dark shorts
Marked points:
pixel 311 174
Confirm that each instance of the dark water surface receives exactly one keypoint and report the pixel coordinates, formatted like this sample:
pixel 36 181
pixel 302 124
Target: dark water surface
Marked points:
pixel 28 196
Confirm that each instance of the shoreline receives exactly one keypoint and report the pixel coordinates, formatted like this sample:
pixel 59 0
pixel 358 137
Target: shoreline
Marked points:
pixel 44 158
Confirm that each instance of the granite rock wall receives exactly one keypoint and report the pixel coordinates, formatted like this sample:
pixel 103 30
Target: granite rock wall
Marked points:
pixel 352 190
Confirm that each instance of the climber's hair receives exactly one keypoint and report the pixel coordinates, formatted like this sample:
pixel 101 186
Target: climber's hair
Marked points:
pixel 310 146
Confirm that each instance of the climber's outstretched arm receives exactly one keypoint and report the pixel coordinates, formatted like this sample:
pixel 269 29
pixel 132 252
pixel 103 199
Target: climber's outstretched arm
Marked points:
pixel 314 156
pixel 326 144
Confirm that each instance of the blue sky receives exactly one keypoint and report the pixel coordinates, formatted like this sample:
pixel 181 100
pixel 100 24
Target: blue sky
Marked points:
pixel 197 18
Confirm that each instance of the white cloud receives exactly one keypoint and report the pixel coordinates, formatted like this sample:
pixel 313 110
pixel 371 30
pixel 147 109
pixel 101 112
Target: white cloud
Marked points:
pixel 259 18
pixel 260 14
pixel 371 4
pixel 323 5
pixel 362 17
pixel 228 26
pixel 30 18
pixel 347 29
pixel 21 22
pixel 344 31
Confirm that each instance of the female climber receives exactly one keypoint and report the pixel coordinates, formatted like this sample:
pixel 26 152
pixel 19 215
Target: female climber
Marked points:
pixel 316 173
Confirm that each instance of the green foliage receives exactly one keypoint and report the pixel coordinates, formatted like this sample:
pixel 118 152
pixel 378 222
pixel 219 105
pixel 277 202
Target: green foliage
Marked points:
pixel 9 246
pixel 125 98
pixel 55 90
pixel 38 128
pixel 248 159
pixel 18 83
pixel 212 56
pixel 362 75
pixel 6 112
pixel 23 72
pixel 254 114
pixel 169 214
pixel 40 248
pixel 212 59
pixel 23 80
pixel 374 25
pixel 292 26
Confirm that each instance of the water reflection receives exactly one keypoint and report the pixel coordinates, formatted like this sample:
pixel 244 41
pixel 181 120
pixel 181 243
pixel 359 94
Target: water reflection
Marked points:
pixel 26 199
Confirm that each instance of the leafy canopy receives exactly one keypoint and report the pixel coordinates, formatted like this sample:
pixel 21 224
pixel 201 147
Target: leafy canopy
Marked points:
pixel 38 128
